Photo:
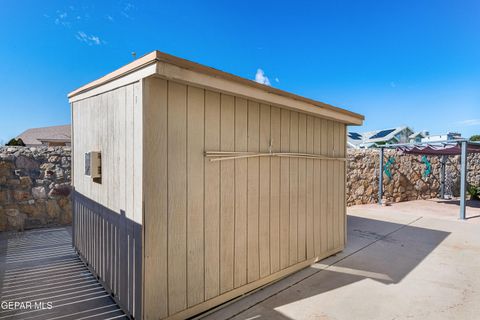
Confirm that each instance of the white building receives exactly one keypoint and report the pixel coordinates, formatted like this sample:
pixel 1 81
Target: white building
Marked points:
pixel 418 136
pixel 442 137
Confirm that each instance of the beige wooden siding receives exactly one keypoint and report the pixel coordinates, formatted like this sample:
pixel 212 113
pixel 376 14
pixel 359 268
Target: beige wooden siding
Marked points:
pixel 112 124
pixel 214 230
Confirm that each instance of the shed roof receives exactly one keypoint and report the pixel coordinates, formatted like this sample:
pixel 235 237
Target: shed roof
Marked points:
pixel 163 60
pixel 35 136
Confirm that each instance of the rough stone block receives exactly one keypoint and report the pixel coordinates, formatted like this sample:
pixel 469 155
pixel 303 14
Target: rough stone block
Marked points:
pixel 25 181
pixel 20 195
pixel 53 209
pixel 39 192
pixel 23 162
pixel 12 212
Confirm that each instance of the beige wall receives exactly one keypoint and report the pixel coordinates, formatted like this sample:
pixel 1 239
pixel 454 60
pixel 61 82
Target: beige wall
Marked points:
pixel 214 230
pixel 111 123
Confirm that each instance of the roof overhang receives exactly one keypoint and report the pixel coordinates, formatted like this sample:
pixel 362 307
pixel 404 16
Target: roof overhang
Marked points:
pixel 173 68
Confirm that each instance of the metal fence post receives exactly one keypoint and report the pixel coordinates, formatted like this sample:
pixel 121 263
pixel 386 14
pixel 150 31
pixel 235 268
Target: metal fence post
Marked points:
pixel 380 177
pixel 463 180
pixel 442 176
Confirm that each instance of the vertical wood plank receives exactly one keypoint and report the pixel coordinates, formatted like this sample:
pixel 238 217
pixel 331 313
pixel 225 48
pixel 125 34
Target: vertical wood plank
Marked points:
pixel 318 190
pixel 330 186
pixel 130 265
pixel 75 141
pixel 109 154
pixel 118 249
pixel 293 188
pixel 138 154
pixel 324 186
pixel 120 109
pixel 102 188
pixel 123 253
pixel 195 217
pixel 344 186
pixel 264 204
pixel 104 148
pixel 108 253
pixel 310 189
pixel 156 200
pixel 95 140
pixel 87 144
pixel 122 145
pixel 336 185
pixel 241 136
pixel 302 205
pixel 275 191
pixel 177 197
pixel 118 98
pixel 138 272
pixel 130 151
pixel 284 189
pixel 253 271
pixel 341 183
pixel 227 194
pixel 212 196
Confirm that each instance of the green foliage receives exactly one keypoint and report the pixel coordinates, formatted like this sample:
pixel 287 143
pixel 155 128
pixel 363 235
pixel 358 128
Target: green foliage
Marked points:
pixel 15 142
pixel 475 137
pixel 474 192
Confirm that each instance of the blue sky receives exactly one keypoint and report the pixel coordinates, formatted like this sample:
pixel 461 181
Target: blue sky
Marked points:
pixel 411 63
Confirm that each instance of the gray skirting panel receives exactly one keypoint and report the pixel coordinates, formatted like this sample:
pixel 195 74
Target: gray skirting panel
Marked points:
pixel 111 246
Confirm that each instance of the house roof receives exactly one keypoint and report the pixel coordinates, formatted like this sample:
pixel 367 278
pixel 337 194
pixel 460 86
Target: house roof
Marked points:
pixel 416 134
pixel 369 138
pixel 36 136
pixel 163 61
pixel 382 135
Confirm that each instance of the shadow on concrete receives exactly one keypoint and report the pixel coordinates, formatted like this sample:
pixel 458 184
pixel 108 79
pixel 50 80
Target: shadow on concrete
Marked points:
pixel 469 203
pixel 381 251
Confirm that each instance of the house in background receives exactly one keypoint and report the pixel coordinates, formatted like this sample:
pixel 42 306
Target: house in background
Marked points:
pixel 442 137
pixel 47 136
pixel 379 137
pixel 418 136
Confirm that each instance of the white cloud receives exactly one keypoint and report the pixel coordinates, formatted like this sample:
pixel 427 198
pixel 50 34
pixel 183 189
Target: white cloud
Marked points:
pixel 61 19
pixel 127 9
pixel 89 39
pixel 470 122
pixel 277 80
pixel 260 77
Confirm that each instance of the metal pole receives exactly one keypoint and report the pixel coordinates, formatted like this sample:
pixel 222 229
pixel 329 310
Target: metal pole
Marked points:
pixel 463 180
pixel 380 178
pixel 442 176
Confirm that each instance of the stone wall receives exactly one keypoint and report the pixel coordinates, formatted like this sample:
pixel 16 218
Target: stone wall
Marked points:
pixel 35 182
pixel 34 187
pixel 408 180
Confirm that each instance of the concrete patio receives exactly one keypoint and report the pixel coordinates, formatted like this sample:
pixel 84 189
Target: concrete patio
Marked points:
pixel 412 260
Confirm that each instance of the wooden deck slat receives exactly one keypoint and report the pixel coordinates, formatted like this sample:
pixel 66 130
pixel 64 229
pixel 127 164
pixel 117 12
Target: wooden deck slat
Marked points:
pixel 32 272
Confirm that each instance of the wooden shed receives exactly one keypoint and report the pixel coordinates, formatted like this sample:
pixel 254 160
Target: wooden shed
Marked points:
pixel 193 186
